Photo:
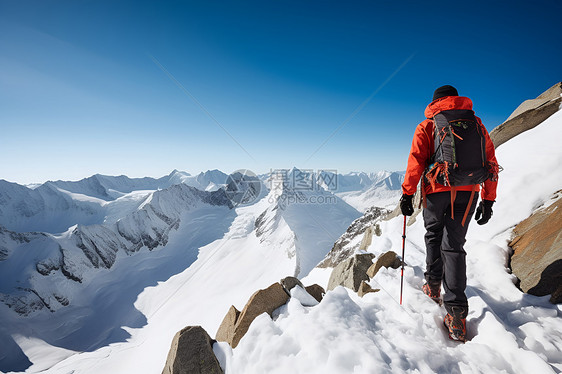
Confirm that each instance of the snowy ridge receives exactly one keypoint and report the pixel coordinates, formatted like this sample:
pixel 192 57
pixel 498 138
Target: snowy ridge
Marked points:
pixel 304 211
pixel 53 207
pixel 75 256
pixel 384 192
pixel 211 180
pixel 44 208
pixel 356 237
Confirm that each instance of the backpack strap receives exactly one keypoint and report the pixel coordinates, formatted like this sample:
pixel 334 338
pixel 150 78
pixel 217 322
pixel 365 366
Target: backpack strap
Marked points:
pixel 453 197
pixel 469 205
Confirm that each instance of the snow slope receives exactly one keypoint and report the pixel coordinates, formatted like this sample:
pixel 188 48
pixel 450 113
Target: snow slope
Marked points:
pixel 508 331
pixel 383 193
pixel 316 217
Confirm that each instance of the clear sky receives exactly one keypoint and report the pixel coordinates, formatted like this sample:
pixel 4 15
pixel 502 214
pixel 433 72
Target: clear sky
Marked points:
pixel 141 88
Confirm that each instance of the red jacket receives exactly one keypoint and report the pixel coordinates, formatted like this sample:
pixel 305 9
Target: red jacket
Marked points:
pixel 422 149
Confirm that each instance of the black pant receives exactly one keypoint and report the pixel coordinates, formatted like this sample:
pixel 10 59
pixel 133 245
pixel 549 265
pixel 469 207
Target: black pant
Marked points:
pixel 444 241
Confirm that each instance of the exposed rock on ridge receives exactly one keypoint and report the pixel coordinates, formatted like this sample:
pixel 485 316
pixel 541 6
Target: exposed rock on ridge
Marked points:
pixel 528 115
pixel 192 352
pixel 351 272
pixel 342 248
pixel 537 257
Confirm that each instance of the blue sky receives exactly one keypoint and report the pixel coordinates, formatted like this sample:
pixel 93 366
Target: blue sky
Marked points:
pixel 142 88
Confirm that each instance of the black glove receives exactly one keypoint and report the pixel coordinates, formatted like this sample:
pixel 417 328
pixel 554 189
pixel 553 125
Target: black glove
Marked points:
pixel 406 205
pixel 485 210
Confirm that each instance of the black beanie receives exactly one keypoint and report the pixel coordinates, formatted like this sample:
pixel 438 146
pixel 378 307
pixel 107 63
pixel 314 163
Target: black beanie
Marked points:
pixel 445 91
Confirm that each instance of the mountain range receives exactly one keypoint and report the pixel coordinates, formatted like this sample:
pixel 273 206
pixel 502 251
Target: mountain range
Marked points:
pixel 62 242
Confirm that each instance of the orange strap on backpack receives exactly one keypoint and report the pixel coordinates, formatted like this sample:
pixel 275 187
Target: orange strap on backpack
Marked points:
pixel 469 205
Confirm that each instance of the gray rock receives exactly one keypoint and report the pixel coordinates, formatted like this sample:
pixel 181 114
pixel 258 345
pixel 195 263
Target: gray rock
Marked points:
pixel 225 333
pixel 537 251
pixel 528 115
pixel 289 283
pixel 387 259
pixel 351 272
pixel 234 326
pixel 192 352
pixel 341 249
pixel 366 288
pixel 367 238
pixel 316 291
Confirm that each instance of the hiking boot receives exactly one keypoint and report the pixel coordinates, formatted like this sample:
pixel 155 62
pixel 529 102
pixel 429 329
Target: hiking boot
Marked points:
pixel 433 290
pixel 456 324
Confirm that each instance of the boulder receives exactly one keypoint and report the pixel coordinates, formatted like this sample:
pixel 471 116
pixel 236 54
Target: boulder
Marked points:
pixel 289 283
pixel 192 352
pixel 528 115
pixel 316 291
pixel 537 251
pixel 351 272
pixel 366 288
pixel 387 259
pixel 235 325
pixel 225 333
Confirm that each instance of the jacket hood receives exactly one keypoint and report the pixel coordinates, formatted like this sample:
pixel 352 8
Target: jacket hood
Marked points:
pixel 447 103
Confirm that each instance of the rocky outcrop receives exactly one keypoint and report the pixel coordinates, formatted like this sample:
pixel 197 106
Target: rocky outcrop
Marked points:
pixel 537 251
pixel 351 272
pixel 289 283
pixel 342 248
pixel 192 352
pixel 528 115
pixel 366 288
pixel 235 324
pixel 225 333
pixel 316 291
pixel 387 259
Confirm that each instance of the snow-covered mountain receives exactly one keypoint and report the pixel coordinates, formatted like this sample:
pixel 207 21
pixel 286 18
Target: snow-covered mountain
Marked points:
pixel 53 207
pixel 210 180
pixel 384 192
pixel 58 265
pixel 147 236
pixel 313 216
pixel 45 208
pixel 359 189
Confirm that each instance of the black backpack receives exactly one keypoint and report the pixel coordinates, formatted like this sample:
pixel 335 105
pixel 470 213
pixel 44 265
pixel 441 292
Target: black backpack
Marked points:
pixel 459 157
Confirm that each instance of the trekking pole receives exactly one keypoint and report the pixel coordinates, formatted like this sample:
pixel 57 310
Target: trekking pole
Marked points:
pixel 403 248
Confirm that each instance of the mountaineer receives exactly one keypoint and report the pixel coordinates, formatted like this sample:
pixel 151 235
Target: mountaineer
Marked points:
pixel 453 156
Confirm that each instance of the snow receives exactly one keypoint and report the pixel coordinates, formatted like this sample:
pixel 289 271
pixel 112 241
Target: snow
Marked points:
pixel 53 207
pixel 129 328
pixel 384 192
